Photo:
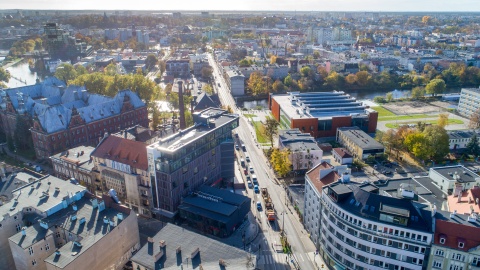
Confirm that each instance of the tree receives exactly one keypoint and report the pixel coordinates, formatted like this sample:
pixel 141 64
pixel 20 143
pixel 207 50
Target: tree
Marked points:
pixel 278 86
pixel 443 120
pixel 472 147
pixel 206 72
pixel 155 116
pixel 435 87
pixel 208 89
pixel 66 73
pixel 305 71
pixel 4 75
pixel 80 70
pixel 363 78
pixel 379 99
pixel 162 65
pixel 351 78
pixel 334 80
pixel 426 19
pixel 418 92
pixel 257 84
pixel 438 141
pixel 273 59
pixel 150 61
pixel 364 56
pixel 389 97
pixel 110 70
pixel 288 80
pixel 474 119
pixel 280 161
pixel 417 144
pixel 271 128
pixel 245 63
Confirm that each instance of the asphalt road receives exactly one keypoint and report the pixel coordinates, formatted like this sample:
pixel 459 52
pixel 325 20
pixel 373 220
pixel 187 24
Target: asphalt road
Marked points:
pixel 286 218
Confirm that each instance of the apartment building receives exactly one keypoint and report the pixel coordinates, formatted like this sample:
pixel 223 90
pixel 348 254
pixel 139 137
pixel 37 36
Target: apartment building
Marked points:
pixel 304 151
pixel 182 162
pixel 122 165
pixel 54 224
pixel 76 163
pixel 354 227
pixel 469 102
pixel 178 67
pixel 236 82
pixel 449 177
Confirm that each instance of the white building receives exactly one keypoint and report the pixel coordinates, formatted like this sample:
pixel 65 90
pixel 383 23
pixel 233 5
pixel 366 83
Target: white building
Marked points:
pixel 304 151
pixel 236 82
pixel 459 139
pixel 354 227
pixel 447 177
pixel 469 101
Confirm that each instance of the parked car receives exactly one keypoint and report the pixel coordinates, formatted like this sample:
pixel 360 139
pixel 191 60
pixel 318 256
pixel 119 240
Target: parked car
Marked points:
pixel 259 206
pixel 255 189
pixel 247 158
pixel 249 184
pixel 237 147
pixel 251 169
pixel 245 171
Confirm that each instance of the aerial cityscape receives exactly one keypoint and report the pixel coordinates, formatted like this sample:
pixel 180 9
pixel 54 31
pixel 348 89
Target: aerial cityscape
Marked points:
pixel 244 135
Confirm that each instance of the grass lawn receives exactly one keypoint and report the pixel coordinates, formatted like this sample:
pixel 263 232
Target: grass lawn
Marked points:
pixel 258 129
pixel 406 117
pixel 383 112
pixel 433 122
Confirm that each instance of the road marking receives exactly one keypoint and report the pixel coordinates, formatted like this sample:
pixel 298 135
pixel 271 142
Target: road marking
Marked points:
pixel 301 257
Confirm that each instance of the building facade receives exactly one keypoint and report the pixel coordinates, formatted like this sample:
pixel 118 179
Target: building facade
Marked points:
pixel 63 118
pixel 469 102
pixel 359 143
pixel 182 162
pixel 320 114
pixel 357 228
pixel 304 151
pixel 178 67
pixel 122 165
pixel 450 177
pixel 236 82
pixel 76 163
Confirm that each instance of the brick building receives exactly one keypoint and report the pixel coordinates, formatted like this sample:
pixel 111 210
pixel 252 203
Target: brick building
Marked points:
pixel 66 117
pixel 321 113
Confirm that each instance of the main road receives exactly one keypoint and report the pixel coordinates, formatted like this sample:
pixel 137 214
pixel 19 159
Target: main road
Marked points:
pixel 286 218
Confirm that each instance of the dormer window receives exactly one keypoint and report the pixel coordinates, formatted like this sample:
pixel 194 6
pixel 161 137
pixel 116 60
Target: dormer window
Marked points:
pixel 461 243
pixel 443 239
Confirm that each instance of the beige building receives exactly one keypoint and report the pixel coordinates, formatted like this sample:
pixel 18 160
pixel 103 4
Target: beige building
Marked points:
pixel 122 165
pixel 76 163
pixel 359 143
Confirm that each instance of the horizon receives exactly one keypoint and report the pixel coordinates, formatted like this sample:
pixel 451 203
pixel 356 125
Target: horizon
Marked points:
pixel 250 5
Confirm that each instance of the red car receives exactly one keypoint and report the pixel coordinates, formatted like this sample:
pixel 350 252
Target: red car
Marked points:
pixel 245 172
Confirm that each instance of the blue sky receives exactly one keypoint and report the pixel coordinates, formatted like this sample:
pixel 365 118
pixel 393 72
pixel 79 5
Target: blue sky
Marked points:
pixel 288 5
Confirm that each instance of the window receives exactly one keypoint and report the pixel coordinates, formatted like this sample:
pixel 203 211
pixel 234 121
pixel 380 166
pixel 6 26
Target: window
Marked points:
pixel 47 246
pixel 18 227
pixel 439 252
pixel 461 244
pixel 30 250
pixel 442 240
pixel 34 262
pixel 437 264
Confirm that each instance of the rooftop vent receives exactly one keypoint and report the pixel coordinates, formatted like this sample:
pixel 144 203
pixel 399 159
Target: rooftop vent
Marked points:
pixel 57 252
pixel 73 218
pixel 82 220
pixel 179 249
pixel 120 216
pixel 105 220
pixel 162 243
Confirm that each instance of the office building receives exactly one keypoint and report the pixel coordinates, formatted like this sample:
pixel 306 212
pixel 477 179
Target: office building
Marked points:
pixel 459 139
pixel 65 117
pixel 63 46
pixel 359 143
pixel 236 82
pixel 354 227
pixel 215 211
pixel 469 102
pixel 182 162
pixel 449 177
pixel 321 113
pixel 121 164
pixel 174 246
pixel 178 67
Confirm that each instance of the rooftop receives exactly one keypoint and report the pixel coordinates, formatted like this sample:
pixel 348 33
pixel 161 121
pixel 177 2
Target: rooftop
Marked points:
pixel 210 251
pixel 92 230
pixel 314 176
pixel 360 138
pixel 466 202
pixel 137 133
pixel 124 151
pixel 14 181
pixel 206 122
pixel 456 228
pixel 43 195
pixel 461 134
pixel 342 152
pixel 321 105
pixel 457 173
pixel 78 155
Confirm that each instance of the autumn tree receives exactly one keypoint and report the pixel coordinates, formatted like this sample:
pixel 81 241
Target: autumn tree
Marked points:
pixel 280 161
pixel 4 77
pixel 206 72
pixel 438 141
pixel 418 92
pixel 273 59
pixel 418 145
pixel 474 119
pixel 435 87
pixel 334 80
pixel 208 89
pixel 151 61
pixel 443 120
pixel 271 129
pixel 351 78
pixel 363 78
pixel 257 84
pixel 278 86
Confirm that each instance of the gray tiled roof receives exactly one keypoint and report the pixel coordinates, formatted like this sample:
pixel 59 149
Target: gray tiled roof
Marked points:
pixel 210 251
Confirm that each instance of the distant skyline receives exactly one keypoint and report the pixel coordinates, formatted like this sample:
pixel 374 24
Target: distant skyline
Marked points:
pixel 280 5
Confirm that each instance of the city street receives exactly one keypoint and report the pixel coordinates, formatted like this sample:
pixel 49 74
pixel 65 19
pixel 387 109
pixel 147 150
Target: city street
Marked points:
pixel 302 246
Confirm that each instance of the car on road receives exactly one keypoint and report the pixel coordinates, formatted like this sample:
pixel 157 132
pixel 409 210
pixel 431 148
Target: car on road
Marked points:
pixel 242 162
pixel 249 184
pixel 245 172
pixel 247 158
pixel 259 206
pixel 236 135
pixel 255 189
pixel 237 147
pixel 244 148
pixel 251 169
pixel 254 179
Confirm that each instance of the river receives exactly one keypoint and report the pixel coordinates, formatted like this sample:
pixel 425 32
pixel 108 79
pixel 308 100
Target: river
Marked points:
pixel 21 75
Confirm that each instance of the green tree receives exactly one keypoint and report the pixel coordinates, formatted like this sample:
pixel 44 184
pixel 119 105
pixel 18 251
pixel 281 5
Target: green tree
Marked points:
pixel 4 75
pixel 206 72
pixel 66 73
pixel 334 80
pixel 110 70
pixel 389 97
pixel 363 78
pixel 245 63
pixel 435 87
pixel 306 71
pixel 278 86
pixel 472 147
pixel 208 89
pixel 438 141
pixel 379 99
pixel 156 120
pixel 271 129
pixel 80 70
pixel 151 61
pixel 418 92
pixel 418 145
pixel 288 81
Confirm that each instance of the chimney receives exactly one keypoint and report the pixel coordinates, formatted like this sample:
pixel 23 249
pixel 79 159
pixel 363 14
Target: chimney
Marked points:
pixel 181 106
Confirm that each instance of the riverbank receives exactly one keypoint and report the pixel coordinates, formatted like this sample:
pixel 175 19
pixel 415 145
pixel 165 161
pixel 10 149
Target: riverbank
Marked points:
pixel 11 64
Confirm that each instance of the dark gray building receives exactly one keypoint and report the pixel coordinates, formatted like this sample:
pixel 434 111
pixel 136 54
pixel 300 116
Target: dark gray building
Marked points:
pixel 215 211
pixel 182 162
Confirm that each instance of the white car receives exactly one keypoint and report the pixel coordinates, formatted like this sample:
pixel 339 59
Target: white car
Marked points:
pixel 251 169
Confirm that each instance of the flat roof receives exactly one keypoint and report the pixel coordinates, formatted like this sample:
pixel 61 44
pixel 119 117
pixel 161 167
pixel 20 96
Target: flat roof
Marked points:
pixel 457 173
pixel 360 138
pixel 210 251
pixel 80 154
pixel 321 105
pixel 217 117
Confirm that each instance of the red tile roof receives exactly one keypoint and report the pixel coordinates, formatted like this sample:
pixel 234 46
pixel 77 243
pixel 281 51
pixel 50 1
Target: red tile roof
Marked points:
pixel 123 151
pixel 455 233
pixel 314 175
pixel 342 152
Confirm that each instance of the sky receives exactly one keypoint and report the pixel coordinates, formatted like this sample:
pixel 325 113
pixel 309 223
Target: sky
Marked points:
pixel 282 5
